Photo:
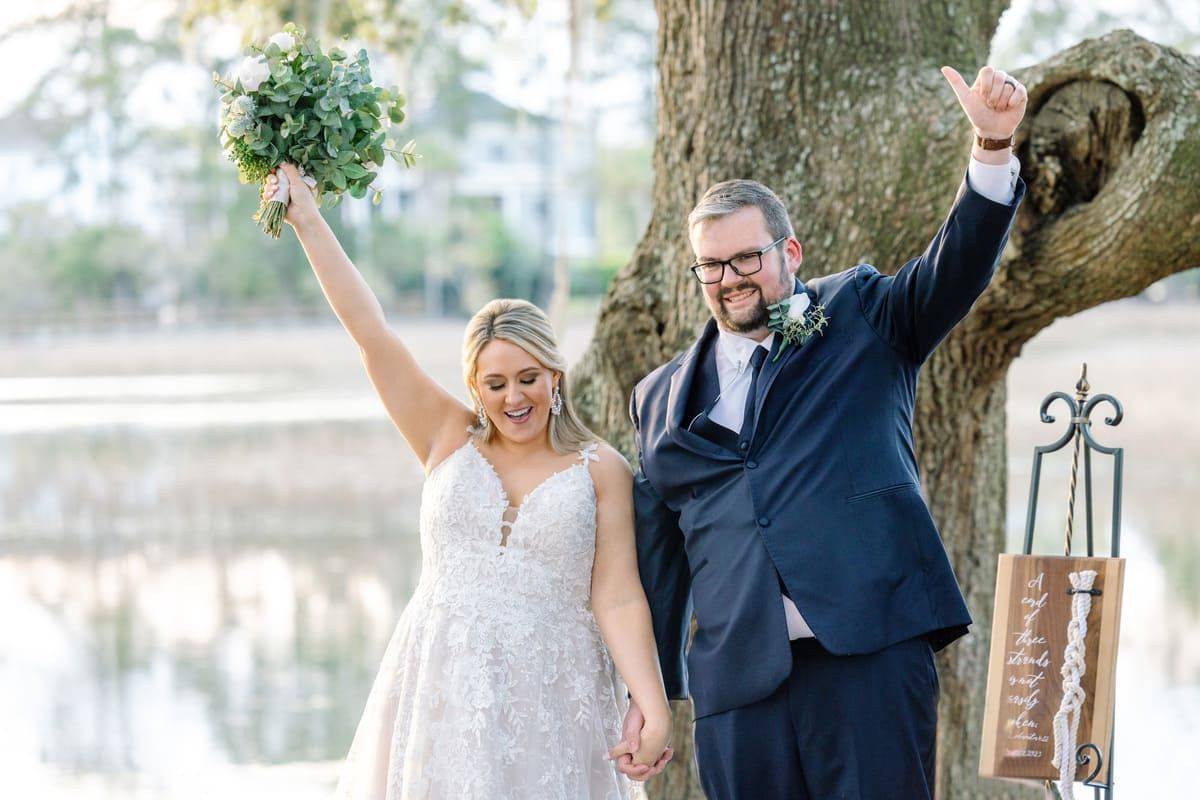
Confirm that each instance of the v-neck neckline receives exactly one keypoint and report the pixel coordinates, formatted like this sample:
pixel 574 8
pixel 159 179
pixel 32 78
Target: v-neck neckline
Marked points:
pixel 519 509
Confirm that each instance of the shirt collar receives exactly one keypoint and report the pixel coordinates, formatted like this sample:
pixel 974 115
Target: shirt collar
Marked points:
pixel 734 351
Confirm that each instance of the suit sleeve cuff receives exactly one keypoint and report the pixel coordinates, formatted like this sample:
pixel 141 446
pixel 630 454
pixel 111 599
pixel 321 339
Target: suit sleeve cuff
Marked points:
pixel 996 182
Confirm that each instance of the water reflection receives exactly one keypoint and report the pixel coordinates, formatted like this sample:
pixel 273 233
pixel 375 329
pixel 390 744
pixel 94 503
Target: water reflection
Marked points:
pixel 122 387
pixel 195 571
pixel 173 402
pixel 250 653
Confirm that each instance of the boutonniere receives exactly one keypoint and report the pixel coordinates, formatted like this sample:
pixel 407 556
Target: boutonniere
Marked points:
pixel 797 320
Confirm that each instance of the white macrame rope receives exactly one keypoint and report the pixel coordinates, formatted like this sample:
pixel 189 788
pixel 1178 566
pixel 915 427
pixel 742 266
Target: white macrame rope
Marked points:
pixel 1066 720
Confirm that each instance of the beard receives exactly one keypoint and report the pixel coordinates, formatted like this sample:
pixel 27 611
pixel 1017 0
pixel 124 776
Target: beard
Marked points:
pixel 749 318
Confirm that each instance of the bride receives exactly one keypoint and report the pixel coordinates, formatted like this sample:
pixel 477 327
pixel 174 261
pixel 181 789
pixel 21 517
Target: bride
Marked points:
pixel 497 682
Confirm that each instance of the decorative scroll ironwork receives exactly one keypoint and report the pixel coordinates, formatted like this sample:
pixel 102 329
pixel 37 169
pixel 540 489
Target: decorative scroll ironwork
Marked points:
pixel 1082 758
pixel 1079 432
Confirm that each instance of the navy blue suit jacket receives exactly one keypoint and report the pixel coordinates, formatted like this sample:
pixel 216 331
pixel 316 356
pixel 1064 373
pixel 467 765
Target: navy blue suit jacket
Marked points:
pixel 827 497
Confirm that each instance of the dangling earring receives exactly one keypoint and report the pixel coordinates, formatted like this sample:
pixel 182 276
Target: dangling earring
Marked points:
pixel 556 402
pixel 481 415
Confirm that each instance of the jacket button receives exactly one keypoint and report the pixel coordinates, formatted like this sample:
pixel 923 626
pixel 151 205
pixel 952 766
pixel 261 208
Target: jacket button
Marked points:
pixel 743 446
pixel 764 522
pixel 751 464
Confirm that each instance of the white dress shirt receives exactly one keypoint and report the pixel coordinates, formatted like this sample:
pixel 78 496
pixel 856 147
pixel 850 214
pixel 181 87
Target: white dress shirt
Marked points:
pixel 733 373
pixel 996 182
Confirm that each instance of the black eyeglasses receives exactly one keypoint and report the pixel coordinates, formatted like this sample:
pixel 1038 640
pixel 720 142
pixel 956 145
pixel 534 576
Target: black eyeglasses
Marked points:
pixel 742 264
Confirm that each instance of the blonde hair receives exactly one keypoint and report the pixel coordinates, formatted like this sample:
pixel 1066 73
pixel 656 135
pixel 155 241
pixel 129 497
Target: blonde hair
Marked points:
pixel 522 323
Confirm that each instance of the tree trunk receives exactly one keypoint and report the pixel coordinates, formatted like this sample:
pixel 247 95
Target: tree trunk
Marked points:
pixel 840 108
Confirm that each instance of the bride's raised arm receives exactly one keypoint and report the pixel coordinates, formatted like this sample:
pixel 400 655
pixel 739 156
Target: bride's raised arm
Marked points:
pixel 430 418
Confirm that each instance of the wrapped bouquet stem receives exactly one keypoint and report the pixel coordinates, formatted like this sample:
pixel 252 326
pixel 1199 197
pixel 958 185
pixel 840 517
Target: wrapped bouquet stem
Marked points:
pixel 290 101
pixel 271 213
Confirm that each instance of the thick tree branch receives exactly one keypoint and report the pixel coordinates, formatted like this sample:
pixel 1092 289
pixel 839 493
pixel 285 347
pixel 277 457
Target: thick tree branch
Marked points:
pixel 1110 151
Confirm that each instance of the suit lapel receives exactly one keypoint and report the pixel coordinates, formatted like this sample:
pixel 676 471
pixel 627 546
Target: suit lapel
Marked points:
pixel 772 368
pixel 685 380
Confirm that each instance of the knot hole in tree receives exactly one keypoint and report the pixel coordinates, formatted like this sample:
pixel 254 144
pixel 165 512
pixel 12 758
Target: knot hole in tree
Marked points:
pixel 1077 140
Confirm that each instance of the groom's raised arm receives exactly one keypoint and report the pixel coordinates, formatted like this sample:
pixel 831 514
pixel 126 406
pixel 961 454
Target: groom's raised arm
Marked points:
pixel 918 306
pixel 929 295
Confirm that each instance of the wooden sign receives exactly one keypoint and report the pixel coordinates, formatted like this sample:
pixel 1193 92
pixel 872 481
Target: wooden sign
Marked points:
pixel 1025 681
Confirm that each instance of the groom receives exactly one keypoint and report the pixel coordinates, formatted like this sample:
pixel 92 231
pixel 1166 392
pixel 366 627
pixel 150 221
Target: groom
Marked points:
pixel 778 496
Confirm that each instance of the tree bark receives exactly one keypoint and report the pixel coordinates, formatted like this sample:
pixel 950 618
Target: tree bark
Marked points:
pixel 840 108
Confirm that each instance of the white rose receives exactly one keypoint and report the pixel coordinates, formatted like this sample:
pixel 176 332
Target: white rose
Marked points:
pixel 252 72
pixel 798 305
pixel 285 41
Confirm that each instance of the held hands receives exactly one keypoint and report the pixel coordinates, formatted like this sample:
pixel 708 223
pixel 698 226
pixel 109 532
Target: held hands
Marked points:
pixel 642 752
pixel 995 103
pixel 285 182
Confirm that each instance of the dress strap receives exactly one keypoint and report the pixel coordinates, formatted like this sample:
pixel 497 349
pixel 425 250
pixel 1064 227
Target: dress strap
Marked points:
pixel 589 453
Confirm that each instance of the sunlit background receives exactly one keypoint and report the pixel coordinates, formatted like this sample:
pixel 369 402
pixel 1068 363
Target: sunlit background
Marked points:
pixel 208 525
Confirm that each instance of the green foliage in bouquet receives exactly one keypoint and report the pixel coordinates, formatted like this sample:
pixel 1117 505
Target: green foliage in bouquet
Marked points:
pixel 289 101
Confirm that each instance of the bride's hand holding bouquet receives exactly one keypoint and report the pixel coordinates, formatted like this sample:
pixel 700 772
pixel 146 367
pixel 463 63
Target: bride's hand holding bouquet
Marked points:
pixel 282 184
pixel 289 101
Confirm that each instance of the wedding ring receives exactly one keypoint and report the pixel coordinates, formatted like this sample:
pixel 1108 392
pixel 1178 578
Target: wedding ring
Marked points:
pixel 1011 82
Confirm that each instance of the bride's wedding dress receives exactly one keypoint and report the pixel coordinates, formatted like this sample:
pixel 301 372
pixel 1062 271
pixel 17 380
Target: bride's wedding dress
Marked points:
pixel 496 683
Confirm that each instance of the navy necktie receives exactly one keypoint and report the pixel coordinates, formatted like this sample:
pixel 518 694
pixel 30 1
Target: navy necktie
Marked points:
pixel 756 362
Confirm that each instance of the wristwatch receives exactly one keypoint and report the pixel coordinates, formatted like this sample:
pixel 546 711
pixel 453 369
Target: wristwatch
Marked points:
pixel 994 144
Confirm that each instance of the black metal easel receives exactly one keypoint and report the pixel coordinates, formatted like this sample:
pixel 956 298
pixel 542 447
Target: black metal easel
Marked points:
pixel 1079 432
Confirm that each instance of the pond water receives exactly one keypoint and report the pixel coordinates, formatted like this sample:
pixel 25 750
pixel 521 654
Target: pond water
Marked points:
pixel 206 538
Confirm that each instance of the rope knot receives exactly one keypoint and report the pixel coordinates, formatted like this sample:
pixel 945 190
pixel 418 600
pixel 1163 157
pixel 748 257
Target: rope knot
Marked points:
pixel 1066 720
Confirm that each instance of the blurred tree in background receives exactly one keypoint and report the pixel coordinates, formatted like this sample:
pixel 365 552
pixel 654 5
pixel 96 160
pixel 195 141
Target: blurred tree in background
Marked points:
pixel 112 126
pixel 131 212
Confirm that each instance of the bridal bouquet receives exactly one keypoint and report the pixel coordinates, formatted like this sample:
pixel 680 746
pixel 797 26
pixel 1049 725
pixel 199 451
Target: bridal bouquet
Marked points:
pixel 289 101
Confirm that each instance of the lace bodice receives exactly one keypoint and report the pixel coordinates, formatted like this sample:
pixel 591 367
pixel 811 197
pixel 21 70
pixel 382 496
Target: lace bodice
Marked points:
pixel 496 683
pixel 547 550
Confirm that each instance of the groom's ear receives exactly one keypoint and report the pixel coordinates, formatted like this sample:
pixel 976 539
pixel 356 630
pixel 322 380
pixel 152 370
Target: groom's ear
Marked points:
pixel 795 255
